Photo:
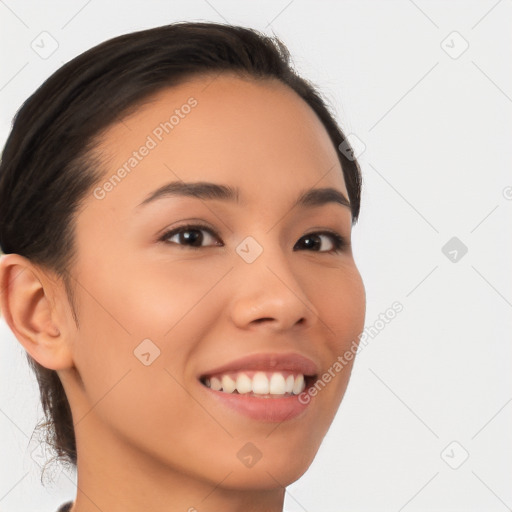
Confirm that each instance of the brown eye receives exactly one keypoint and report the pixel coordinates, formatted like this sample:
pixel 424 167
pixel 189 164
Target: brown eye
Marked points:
pixel 314 241
pixel 190 235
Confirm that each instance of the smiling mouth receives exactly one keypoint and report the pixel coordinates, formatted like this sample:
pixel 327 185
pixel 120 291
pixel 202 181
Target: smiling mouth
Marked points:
pixel 262 384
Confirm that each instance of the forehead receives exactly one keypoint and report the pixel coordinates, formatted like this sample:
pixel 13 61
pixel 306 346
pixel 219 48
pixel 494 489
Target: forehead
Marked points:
pixel 258 136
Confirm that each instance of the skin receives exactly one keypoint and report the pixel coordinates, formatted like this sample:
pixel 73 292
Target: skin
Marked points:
pixel 149 437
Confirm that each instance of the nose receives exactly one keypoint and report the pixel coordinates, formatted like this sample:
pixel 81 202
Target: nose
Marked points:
pixel 267 291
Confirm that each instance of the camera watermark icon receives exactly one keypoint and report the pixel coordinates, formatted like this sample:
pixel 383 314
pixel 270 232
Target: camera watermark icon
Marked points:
pixel 146 352
pixel 455 455
pixel 352 147
pixel 249 455
pixel 454 249
pixel 507 193
pixel 249 249
pixel 454 45
pixel 45 45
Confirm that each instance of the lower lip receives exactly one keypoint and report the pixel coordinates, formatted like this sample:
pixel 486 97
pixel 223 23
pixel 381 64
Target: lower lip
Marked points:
pixel 263 409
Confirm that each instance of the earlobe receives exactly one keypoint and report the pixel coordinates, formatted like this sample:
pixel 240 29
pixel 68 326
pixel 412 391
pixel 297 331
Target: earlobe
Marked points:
pixel 26 305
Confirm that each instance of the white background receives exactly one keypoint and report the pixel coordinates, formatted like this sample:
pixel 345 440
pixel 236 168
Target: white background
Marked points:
pixel 437 165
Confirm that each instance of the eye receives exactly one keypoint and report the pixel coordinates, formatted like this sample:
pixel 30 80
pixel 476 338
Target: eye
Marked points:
pixel 314 241
pixel 189 234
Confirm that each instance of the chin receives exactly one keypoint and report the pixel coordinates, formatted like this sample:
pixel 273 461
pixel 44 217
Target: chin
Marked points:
pixel 269 472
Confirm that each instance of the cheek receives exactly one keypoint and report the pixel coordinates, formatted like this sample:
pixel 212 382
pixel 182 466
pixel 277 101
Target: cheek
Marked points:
pixel 342 308
pixel 136 389
pixel 166 294
pixel 146 299
pixel 135 315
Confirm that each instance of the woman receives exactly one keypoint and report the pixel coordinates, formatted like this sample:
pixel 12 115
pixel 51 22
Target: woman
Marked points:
pixel 176 208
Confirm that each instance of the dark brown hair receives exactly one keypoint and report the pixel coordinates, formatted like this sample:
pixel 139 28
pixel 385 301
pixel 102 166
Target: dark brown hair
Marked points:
pixel 48 165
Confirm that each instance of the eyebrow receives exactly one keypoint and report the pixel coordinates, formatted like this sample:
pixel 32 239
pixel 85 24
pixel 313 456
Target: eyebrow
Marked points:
pixel 311 198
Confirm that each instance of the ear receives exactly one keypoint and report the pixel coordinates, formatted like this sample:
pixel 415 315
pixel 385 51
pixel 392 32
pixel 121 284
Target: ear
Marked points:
pixel 29 303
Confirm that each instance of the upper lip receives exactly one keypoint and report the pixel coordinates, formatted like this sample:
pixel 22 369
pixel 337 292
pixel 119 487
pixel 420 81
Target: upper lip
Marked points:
pixel 290 361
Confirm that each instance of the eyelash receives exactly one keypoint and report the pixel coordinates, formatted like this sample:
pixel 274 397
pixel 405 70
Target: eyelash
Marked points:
pixel 340 243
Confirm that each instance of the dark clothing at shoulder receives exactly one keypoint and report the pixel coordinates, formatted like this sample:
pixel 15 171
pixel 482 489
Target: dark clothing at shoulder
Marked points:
pixel 66 507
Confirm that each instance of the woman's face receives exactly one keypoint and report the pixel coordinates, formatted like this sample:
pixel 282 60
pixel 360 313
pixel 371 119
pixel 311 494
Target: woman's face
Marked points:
pixel 258 277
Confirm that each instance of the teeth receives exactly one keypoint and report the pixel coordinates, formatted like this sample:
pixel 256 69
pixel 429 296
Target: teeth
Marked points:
pixel 243 384
pixel 215 384
pixel 261 383
pixel 299 385
pixel 289 384
pixel 277 384
pixel 228 384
